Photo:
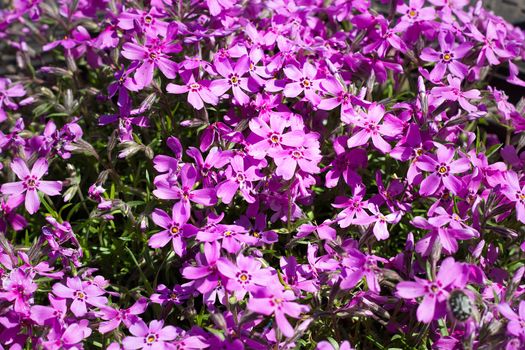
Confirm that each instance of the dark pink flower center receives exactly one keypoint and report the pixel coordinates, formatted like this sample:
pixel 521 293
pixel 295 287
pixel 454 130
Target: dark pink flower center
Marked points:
pixel 447 56
pixel 31 182
pixel 150 338
pixel 442 169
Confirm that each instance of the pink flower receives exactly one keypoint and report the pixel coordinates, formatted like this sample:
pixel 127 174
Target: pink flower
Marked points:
pixel 448 57
pixel 185 193
pixel 153 54
pixel 31 182
pixel 244 275
pixel 82 294
pixel 273 300
pixel 370 128
pixel 233 78
pixel 515 193
pixel 198 92
pixel 113 317
pixel 239 177
pixel 451 275
pixel 175 228
pixel 154 337
pixel 452 92
pixel 443 169
pixel 304 80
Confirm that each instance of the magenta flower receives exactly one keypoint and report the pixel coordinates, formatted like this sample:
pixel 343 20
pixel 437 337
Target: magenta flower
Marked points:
pixel 303 81
pixel 370 128
pixel 448 58
pixel 516 323
pixel 53 314
pixel 306 155
pixel 232 237
pixel 175 228
pixel 205 274
pixel 515 193
pixel 152 337
pixel 67 337
pixel 185 193
pixel 150 21
pixel 353 207
pixel 379 220
pixel 451 275
pixel 81 293
pixel 268 139
pixel 273 300
pixel 357 265
pixel 443 170
pixel 232 78
pixel 239 177
pixel 114 317
pixel 31 183
pixel 7 92
pixel 18 287
pixel 415 12
pixel 452 92
pixel 153 54
pixel 198 92
pixel 244 275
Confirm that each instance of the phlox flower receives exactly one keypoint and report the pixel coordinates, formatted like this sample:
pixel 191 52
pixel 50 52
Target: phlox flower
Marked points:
pixel 356 265
pixel 67 337
pixel 369 128
pixel 434 292
pixel 31 183
pixel 273 300
pixel 154 53
pixel 152 337
pixel 516 323
pixel 306 155
pixel 82 294
pixel 240 176
pixel 114 317
pixel 379 220
pixel 244 275
pixel 452 92
pixel 443 169
pixel 18 287
pixel 198 92
pixel 176 229
pixel 7 92
pixel 302 81
pixel 50 314
pixel 232 78
pixel 448 58
pixel 515 193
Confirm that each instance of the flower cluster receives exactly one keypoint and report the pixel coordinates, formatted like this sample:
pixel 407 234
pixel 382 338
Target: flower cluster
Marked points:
pixel 263 174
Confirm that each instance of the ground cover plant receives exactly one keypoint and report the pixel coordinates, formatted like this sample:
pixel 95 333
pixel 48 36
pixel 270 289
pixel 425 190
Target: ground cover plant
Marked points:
pixel 260 174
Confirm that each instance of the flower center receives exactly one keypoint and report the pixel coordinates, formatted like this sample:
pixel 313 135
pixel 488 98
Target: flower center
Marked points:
pixel 80 295
pixel 443 169
pixel 240 177
pixel 174 230
pixel 243 277
pixel 31 183
pixel 228 233
pixel 275 138
pixel 305 83
pixel 151 338
pixel 195 87
pixel 153 56
pixel 297 154
pixel 412 13
pixel 447 56
pixel 234 79
pixel 148 19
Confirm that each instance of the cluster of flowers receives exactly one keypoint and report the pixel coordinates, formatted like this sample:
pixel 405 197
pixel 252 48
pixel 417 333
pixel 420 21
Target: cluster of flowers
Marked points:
pixel 346 169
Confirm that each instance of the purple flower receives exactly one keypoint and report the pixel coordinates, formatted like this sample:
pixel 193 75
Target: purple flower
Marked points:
pixel 304 80
pixel 443 169
pixel 516 321
pixel 198 92
pixel 448 57
pixel 152 337
pixel 18 287
pixel 31 182
pixel 452 92
pixel 185 193
pixel 239 177
pixel 435 292
pixel 67 337
pixel 175 228
pixel 273 300
pixel 370 128
pixel 244 275
pixel 81 293
pixel 52 314
pixel 357 265
pixel 153 54
pixel 515 193
pixel 232 78
pixel 7 92
pixel 113 317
